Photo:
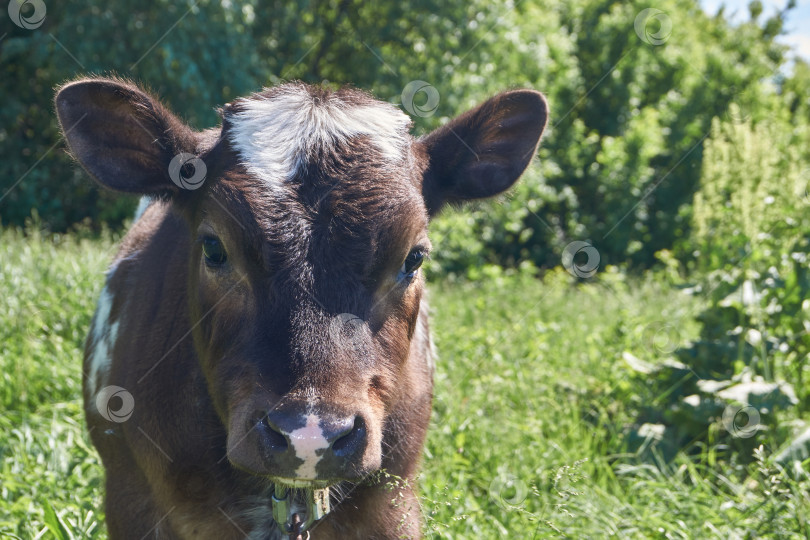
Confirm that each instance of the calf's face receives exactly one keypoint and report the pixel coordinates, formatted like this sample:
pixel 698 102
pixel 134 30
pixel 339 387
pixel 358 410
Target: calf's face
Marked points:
pixel 306 238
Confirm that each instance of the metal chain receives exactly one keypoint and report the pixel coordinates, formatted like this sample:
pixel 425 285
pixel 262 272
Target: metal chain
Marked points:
pixel 295 528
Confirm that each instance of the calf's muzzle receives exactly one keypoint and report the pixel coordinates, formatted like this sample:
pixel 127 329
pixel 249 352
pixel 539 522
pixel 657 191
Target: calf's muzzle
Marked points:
pixel 301 443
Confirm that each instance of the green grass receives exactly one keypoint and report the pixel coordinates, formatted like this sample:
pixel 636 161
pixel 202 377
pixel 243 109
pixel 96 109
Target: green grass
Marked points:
pixel 532 403
pixel 49 287
pixel 533 395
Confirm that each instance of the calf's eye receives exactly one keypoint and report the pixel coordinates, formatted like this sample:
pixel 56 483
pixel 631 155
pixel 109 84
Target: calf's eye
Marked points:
pixel 412 263
pixel 213 251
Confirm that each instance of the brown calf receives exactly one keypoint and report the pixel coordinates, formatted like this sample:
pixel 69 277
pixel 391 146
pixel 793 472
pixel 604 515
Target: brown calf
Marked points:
pixel 260 350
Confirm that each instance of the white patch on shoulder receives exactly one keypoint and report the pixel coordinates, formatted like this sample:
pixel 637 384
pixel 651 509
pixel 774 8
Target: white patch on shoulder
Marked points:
pixel 306 442
pixel 276 135
pixel 104 334
pixel 143 204
pixel 423 338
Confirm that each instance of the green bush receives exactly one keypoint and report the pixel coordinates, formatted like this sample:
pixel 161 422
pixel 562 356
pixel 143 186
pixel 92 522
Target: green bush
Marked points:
pixel 747 258
pixel 751 240
pixel 629 114
pixel 623 155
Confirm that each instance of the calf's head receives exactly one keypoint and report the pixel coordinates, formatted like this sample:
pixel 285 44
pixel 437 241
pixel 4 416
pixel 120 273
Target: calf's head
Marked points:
pixel 306 218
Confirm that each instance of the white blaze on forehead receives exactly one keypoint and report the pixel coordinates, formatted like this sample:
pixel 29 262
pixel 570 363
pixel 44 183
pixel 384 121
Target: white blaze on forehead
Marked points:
pixel 275 135
pixel 306 442
pixel 104 335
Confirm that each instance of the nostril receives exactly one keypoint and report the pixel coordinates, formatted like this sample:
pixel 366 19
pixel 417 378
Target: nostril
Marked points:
pixel 273 441
pixel 352 441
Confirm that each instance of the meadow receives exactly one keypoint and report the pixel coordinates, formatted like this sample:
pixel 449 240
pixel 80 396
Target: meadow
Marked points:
pixel 566 405
pixel 534 399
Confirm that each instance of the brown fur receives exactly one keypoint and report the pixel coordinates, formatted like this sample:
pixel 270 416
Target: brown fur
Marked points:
pixel 201 349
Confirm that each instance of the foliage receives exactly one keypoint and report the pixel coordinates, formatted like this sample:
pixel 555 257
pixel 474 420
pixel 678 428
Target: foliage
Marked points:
pixel 748 252
pixel 623 156
pixel 194 70
pixel 619 165
pixel 752 243
pixel 198 55
pixel 754 197
pixel 529 431
pixel 564 407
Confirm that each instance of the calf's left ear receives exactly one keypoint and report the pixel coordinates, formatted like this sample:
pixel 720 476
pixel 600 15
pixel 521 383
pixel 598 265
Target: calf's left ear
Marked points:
pixel 484 151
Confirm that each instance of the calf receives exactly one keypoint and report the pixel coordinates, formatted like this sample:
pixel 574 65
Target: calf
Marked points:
pixel 259 364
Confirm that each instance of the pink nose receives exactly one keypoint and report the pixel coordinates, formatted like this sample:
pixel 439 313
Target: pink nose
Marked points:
pixel 309 446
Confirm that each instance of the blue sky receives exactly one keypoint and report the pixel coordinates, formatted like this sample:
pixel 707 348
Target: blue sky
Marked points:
pixel 798 22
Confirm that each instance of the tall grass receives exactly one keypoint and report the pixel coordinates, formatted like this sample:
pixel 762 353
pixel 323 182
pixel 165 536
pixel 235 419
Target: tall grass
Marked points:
pixel 533 402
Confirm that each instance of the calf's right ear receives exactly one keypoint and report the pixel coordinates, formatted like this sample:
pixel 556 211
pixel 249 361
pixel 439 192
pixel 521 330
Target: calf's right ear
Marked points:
pixel 121 135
